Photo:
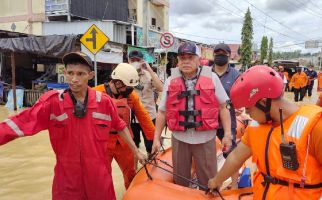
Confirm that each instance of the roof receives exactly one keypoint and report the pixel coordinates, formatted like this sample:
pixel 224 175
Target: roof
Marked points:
pixel 11 34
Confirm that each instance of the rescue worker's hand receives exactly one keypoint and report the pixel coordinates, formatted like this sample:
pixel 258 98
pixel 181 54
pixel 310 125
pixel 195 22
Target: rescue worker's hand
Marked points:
pixel 156 145
pixel 226 143
pixel 141 157
pixel 239 111
pixel 213 184
pixel 146 66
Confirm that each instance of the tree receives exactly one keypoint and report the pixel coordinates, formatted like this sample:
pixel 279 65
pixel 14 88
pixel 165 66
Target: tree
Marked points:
pixel 246 37
pixel 270 52
pixel 264 46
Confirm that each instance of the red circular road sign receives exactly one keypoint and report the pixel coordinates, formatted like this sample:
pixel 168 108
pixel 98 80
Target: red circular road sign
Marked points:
pixel 166 40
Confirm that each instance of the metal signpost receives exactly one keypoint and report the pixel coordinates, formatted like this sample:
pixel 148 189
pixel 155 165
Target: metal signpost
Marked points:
pixel 94 40
pixel 166 41
pixel 313 44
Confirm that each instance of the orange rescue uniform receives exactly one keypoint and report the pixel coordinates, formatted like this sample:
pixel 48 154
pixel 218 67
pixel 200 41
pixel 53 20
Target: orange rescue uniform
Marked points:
pixel 117 148
pixel 304 128
pixel 299 80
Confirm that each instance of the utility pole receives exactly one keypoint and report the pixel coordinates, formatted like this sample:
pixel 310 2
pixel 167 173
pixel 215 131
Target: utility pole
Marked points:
pixel 69 18
pixel 145 16
pixel 320 58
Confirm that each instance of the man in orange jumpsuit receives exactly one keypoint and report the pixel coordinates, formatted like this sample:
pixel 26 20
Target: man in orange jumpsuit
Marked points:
pixel 298 82
pixel 120 88
pixel 79 120
pixel 285 141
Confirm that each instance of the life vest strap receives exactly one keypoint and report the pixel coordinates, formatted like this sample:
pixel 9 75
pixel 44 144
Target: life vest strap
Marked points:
pixel 188 125
pixel 190 112
pixel 188 93
pixel 274 181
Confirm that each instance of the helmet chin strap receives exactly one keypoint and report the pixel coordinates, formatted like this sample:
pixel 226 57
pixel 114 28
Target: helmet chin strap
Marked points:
pixel 266 109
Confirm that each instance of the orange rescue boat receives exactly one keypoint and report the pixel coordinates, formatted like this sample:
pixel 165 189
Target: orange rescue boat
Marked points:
pixel 161 187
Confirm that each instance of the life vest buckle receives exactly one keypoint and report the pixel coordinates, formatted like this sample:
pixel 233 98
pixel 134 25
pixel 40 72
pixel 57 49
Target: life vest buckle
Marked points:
pixel 269 179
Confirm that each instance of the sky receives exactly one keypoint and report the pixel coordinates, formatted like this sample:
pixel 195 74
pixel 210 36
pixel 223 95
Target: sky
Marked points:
pixel 289 22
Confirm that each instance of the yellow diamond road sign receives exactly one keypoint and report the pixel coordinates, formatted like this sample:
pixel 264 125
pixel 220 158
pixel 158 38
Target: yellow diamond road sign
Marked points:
pixel 94 39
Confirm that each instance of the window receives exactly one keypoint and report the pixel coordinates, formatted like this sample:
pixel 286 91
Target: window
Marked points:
pixel 153 22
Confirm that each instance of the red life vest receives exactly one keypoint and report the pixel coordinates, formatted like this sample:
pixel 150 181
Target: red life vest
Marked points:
pixel 205 111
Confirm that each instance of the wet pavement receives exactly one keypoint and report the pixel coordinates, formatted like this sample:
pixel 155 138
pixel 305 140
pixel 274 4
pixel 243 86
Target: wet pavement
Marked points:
pixel 26 165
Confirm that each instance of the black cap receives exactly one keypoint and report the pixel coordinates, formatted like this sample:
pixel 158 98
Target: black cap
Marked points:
pixel 188 48
pixel 136 54
pixel 223 47
pixel 78 56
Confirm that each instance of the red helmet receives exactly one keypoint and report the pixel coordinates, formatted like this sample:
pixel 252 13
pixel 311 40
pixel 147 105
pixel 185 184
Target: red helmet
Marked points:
pixel 256 83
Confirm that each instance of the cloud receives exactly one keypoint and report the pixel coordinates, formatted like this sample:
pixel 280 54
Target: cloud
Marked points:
pixel 223 23
pixel 190 7
pixel 209 21
pixel 289 6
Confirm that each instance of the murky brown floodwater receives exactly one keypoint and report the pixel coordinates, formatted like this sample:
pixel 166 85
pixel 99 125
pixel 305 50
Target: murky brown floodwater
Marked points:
pixel 26 165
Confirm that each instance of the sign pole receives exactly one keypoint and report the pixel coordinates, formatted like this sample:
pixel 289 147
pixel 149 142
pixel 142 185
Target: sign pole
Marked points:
pixel 94 40
pixel 166 63
pixel 95 69
pixel 13 72
pixel 320 59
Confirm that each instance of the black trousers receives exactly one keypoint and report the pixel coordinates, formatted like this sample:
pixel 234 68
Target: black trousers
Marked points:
pixel 287 89
pixel 309 89
pixel 137 129
pixel 299 92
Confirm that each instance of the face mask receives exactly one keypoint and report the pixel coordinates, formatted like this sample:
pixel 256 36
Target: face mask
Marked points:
pixel 221 60
pixel 136 65
pixel 126 93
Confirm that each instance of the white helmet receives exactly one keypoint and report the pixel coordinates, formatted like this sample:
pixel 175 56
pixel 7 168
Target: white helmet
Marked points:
pixel 127 74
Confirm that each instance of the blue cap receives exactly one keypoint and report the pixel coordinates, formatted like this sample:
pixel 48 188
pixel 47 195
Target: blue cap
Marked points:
pixel 188 48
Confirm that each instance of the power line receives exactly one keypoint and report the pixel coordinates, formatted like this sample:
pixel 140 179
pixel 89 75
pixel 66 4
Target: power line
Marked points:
pixel 258 22
pixel 207 37
pixel 309 9
pixel 289 45
pixel 296 6
pixel 315 5
pixel 274 19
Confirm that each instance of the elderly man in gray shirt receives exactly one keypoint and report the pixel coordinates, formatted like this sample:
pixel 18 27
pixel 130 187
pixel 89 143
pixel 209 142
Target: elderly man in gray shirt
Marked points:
pixel 193 98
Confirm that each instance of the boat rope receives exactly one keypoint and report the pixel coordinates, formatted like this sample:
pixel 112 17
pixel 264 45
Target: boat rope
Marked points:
pixel 152 161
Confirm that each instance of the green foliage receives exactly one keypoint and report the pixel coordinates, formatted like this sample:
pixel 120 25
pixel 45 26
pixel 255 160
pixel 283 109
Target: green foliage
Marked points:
pixel 286 55
pixel 246 37
pixel 264 46
pixel 270 52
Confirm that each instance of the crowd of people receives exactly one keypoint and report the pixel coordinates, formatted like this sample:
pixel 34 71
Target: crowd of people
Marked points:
pixel 301 82
pixel 89 127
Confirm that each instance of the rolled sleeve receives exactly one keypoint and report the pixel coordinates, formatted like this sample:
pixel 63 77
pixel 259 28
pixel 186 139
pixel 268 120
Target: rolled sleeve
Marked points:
pixel 162 104
pixel 221 94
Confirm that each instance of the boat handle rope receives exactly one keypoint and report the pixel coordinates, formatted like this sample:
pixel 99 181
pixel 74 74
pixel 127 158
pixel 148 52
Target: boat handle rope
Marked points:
pixel 152 160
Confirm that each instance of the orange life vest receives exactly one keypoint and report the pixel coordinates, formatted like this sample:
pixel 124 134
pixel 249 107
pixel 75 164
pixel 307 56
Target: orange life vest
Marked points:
pixel 281 183
pixel 123 110
pixel 320 81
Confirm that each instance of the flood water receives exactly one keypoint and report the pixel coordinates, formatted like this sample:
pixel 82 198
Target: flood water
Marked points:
pixel 26 165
